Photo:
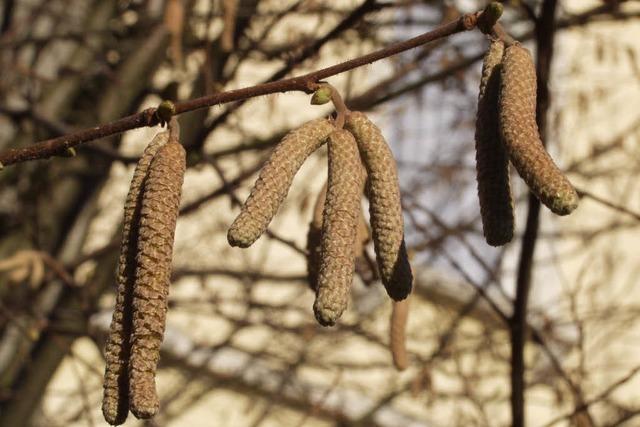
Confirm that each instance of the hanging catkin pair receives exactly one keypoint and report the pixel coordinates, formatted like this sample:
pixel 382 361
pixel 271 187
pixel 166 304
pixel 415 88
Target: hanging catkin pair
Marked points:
pixel 361 142
pixel 506 129
pixel 144 270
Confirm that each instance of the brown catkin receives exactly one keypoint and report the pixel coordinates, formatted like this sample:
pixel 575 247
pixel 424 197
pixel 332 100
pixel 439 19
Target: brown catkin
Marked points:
pixel 158 216
pixel 492 161
pixel 314 234
pixel 342 209
pixel 520 135
pixel 275 178
pixel 384 206
pixel 397 334
pixel 115 404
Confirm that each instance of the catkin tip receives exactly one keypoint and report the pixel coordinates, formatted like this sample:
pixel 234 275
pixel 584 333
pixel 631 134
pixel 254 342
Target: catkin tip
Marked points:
pixel 145 408
pixel 113 415
pixel 237 238
pixel 325 316
pixel 564 203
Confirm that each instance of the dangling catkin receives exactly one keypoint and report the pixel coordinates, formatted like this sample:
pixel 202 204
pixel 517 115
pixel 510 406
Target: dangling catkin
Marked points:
pixel 115 405
pixel 520 133
pixel 158 216
pixel 339 228
pixel 384 206
pixel 274 181
pixel 314 234
pixel 397 334
pixel 275 178
pixel 492 162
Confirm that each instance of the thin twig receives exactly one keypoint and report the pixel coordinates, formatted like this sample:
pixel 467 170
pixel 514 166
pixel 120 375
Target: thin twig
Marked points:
pixel 304 83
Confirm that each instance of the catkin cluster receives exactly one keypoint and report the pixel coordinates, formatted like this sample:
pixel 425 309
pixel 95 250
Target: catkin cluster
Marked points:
pixel 337 232
pixel 143 277
pixel 506 129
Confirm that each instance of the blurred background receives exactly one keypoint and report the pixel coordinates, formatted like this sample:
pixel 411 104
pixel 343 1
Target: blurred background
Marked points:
pixel 242 347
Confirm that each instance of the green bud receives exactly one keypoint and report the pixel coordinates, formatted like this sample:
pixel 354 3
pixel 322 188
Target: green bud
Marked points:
pixel 321 96
pixel 490 16
pixel 165 110
pixel 67 152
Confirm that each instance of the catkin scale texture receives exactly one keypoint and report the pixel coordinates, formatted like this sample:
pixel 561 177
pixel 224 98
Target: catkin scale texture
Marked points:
pixel 520 135
pixel 341 214
pixel 314 248
pixel 384 206
pixel 492 161
pixel 115 404
pixel 158 217
pixel 274 180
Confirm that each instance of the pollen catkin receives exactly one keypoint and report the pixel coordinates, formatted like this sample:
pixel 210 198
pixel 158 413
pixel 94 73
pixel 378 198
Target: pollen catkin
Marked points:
pixel 520 133
pixel 275 178
pixel 339 228
pixel 115 404
pixel 492 162
pixel 158 216
pixel 397 334
pixel 384 206
pixel 315 232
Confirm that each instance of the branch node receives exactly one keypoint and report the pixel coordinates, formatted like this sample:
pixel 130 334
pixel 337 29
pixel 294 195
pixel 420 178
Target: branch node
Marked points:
pixel 327 90
pixel 468 21
pixel 164 112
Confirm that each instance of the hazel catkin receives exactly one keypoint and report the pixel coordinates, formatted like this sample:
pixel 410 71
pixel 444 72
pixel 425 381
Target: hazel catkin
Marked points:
pixel 158 216
pixel 519 133
pixel 275 178
pixel 341 214
pixel 492 162
pixel 397 334
pixel 314 234
pixel 115 405
pixel 384 206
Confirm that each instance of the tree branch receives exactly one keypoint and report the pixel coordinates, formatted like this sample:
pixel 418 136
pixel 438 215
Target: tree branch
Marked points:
pixel 304 83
